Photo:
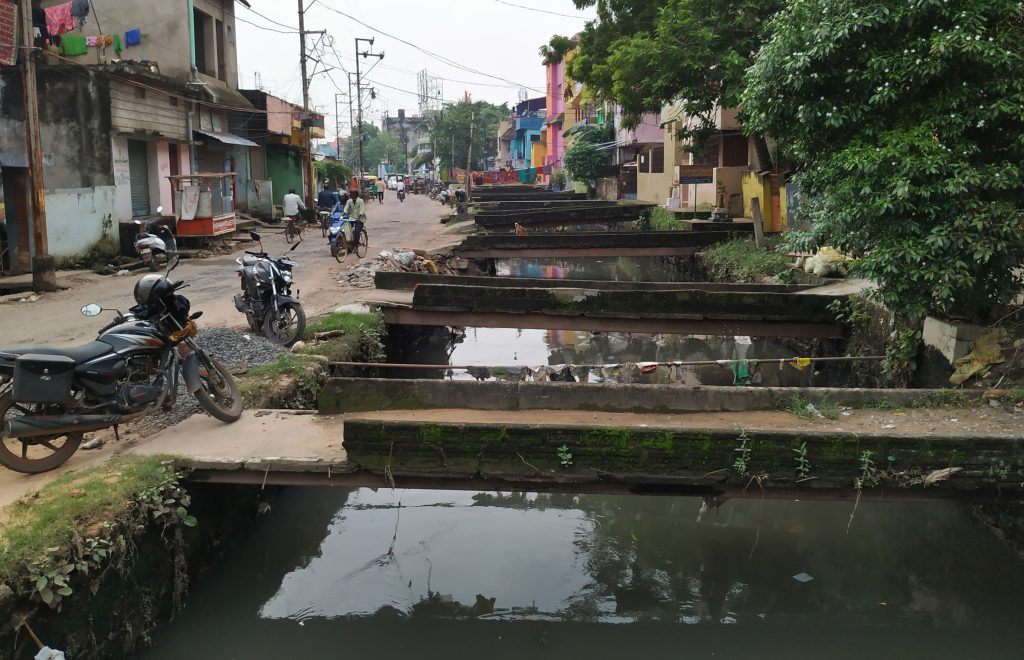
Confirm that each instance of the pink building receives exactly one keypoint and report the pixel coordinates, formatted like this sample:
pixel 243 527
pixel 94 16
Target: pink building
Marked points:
pixel 556 88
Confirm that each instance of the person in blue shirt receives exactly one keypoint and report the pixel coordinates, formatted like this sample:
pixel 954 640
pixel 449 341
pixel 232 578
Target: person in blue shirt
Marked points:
pixel 327 198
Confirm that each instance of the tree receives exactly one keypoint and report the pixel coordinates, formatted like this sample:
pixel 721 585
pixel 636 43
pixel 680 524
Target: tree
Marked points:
pixel 584 158
pixel 384 146
pixel 351 155
pixel 904 120
pixel 333 173
pixel 555 50
pixel 450 126
pixel 644 54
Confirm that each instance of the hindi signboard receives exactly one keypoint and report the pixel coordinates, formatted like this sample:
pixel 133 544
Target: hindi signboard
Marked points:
pixel 694 174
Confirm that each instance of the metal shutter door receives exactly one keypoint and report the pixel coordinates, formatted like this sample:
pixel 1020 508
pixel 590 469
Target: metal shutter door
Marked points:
pixel 138 171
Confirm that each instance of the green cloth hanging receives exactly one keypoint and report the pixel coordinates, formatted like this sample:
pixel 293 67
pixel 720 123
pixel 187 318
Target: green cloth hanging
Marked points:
pixel 741 373
pixel 73 44
pixel 117 44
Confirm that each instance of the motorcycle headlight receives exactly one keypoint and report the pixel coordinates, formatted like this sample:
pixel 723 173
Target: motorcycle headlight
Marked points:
pixel 287 277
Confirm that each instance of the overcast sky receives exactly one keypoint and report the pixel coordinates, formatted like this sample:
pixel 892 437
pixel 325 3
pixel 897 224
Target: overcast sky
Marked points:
pixel 495 38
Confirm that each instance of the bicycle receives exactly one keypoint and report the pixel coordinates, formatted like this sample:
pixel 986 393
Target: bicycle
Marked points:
pixel 325 222
pixel 341 248
pixel 293 229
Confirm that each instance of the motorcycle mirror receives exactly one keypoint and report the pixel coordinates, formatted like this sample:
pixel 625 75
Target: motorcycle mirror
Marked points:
pixel 172 262
pixel 254 236
pixel 294 246
pixel 159 210
pixel 91 310
pixel 138 222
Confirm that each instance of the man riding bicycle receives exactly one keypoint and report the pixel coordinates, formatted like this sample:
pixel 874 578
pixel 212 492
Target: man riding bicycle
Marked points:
pixel 292 204
pixel 355 209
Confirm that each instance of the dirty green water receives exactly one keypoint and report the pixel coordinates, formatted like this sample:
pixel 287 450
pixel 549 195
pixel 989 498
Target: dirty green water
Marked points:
pixel 333 573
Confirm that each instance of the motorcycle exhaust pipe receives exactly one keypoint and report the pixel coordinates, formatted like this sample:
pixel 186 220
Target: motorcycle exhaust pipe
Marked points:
pixel 33 427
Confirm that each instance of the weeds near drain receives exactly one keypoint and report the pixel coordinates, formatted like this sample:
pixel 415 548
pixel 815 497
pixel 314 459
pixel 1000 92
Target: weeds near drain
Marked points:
pixel 742 463
pixel 564 456
pixel 869 475
pixel 806 410
pixel 803 466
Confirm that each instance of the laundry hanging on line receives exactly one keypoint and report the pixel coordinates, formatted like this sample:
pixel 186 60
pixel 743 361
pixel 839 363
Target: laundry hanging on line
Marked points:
pixel 59 19
pixel 8 33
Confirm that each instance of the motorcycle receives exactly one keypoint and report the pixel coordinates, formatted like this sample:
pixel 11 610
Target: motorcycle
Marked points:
pixel 266 298
pixel 444 197
pixel 401 195
pixel 51 397
pixel 340 231
pixel 155 243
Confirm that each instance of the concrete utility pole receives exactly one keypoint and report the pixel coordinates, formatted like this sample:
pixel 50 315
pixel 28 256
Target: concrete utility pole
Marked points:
pixel 307 161
pixel 359 104
pixel 44 275
pixel 337 127
pixel 469 159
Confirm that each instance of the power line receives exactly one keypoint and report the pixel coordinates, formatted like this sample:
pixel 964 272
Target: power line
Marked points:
pixel 270 20
pixel 263 27
pixel 541 11
pixel 440 58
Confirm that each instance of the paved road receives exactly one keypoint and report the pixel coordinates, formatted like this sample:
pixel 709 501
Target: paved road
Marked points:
pixel 55 319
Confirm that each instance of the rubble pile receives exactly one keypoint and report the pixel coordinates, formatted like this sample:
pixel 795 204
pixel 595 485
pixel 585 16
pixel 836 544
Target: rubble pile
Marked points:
pixel 408 261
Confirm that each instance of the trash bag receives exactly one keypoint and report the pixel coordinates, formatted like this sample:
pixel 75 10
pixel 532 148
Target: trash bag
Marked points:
pixel 988 350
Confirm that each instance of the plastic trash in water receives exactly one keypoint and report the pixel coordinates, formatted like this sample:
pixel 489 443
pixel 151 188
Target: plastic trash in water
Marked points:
pixel 46 653
pixel 803 577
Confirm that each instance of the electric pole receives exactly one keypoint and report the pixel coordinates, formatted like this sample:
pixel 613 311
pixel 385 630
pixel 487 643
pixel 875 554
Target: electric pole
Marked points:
pixel 337 127
pixel 44 275
pixel 469 159
pixel 307 161
pixel 359 103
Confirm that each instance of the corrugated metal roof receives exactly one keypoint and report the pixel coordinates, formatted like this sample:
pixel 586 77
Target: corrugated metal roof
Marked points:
pixel 227 138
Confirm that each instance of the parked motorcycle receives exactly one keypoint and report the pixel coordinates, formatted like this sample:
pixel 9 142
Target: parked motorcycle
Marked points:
pixel 51 397
pixel 444 197
pixel 155 243
pixel 266 298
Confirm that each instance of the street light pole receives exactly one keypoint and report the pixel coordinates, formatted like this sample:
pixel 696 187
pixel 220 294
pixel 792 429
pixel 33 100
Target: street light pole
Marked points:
pixel 359 103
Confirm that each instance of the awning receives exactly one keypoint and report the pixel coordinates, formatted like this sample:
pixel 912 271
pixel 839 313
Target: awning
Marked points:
pixel 227 138
pixel 556 119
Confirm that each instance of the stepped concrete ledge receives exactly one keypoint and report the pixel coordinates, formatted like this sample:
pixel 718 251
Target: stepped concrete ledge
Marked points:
pixel 576 451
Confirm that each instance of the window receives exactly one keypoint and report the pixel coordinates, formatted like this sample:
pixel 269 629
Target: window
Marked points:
pixel 221 60
pixel 199 20
pixel 658 160
pixel 734 150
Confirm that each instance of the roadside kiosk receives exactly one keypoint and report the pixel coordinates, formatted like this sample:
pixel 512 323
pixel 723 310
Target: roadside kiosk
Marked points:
pixel 204 203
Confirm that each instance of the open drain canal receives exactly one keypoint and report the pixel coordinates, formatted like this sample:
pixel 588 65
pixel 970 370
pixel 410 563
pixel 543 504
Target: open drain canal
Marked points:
pixel 634 353
pixel 613 269
pixel 439 574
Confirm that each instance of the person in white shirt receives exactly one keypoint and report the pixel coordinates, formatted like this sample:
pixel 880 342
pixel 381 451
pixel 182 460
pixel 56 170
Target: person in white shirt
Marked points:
pixel 400 185
pixel 292 204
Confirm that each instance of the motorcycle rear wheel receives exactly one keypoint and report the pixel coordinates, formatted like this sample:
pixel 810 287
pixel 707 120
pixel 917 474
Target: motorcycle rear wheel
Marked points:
pixel 219 394
pixel 33 455
pixel 285 326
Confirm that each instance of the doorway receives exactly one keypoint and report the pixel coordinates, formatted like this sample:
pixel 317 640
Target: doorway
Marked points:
pixel 15 233
pixel 138 172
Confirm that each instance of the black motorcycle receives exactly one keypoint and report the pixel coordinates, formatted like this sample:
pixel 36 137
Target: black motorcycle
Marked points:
pixel 266 298
pixel 51 397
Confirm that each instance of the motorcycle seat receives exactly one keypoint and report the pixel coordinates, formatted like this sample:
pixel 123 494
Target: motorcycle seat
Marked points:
pixel 79 354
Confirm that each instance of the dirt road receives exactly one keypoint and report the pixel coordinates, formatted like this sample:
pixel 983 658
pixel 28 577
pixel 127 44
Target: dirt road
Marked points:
pixel 54 319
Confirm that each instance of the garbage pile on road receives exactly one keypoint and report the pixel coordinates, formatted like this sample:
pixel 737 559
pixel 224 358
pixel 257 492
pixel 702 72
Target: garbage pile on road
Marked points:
pixel 402 259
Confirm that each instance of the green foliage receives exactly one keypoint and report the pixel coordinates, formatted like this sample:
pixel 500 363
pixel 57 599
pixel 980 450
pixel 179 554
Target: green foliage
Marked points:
pixel 361 337
pixel 558 178
pixel 901 350
pixel 800 407
pixel 803 465
pixel 904 118
pixel 384 147
pixel 661 219
pixel 451 126
pixel 643 54
pixel 351 149
pixel 336 174
pixel 584 159
pixel 1017 395
pixel 85 523
pixel 555 50
pixel 742 463
pixel 869 475
pixel 742 261
pixel 564 456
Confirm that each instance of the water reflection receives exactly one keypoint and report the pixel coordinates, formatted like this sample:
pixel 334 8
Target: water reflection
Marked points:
pixel 395 558
pixel 614 269
pixel 504 347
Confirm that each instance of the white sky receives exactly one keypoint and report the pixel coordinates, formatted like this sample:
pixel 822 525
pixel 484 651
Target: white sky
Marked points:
pixel 491 36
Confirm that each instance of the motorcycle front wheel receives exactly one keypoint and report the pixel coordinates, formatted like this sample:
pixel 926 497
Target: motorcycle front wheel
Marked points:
pixel 33 455
pixel 218 393
pixel 285 326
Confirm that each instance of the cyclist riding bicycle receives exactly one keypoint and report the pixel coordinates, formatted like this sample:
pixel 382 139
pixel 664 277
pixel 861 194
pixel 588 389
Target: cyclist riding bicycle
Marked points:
pixel 355 209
